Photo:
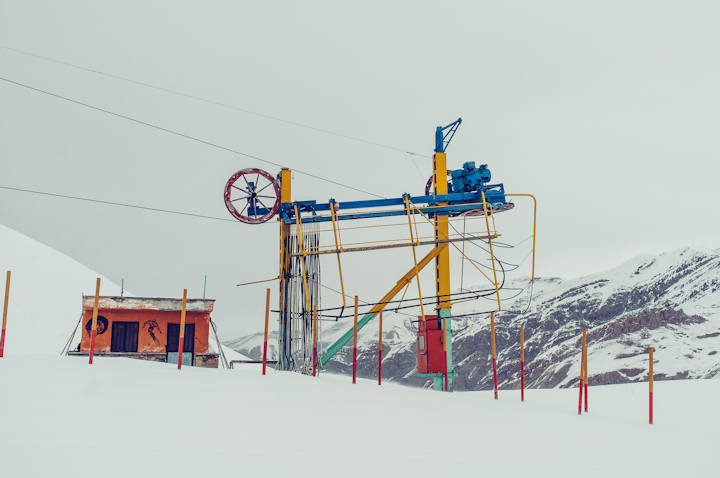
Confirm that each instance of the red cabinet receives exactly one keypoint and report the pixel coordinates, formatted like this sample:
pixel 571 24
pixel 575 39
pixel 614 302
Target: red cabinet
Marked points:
pixel 431 358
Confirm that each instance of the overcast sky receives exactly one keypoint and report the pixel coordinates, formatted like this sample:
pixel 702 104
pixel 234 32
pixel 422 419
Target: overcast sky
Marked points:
pixel 608 112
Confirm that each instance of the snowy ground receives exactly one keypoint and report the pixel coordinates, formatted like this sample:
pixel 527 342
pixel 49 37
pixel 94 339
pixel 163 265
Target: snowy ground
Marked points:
pixel 60 416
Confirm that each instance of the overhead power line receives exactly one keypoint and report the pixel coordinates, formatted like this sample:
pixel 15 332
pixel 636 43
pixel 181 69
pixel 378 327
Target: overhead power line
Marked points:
pixel 186 136
pixel 167 211
pixel 213 102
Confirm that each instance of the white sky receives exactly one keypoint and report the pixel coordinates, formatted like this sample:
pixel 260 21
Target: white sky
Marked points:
pixel 607 112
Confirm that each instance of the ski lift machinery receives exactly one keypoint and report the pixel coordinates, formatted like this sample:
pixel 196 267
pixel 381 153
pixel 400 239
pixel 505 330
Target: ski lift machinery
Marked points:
pixel 254 196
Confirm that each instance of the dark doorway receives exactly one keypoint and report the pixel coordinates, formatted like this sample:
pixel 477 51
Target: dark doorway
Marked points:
pixel 173 338
pixel 124 337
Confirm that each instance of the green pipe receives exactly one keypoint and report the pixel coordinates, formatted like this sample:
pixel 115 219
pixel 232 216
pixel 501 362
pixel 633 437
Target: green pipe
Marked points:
pixel 335 348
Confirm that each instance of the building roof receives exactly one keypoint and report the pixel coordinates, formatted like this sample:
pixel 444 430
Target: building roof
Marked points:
pixel 148 303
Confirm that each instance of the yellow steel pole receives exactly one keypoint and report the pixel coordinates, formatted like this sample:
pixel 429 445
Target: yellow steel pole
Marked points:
pixel 283 337
pixel 442 267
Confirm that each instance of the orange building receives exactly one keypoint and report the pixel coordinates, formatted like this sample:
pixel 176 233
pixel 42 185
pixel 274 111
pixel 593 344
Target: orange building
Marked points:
pixel 149 329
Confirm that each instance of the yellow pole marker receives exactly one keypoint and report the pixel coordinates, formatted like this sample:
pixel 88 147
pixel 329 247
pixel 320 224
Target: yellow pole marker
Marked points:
pixel 5 309
pixel 181 341
pixel 267 320
pixel 93 332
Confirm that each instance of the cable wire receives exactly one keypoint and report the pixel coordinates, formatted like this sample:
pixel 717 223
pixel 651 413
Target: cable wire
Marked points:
pixel 212 102
pixel 208 143
pixel 167 211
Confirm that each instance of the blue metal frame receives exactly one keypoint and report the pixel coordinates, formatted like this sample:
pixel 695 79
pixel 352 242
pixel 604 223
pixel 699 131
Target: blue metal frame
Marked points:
pixel 442 140
pixel 457 203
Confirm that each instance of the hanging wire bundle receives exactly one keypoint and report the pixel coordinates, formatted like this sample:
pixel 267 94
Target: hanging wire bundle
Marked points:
pixel 296 314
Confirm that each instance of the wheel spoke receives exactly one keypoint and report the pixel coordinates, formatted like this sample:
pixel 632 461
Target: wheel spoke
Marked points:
pixel 246 205
pixel 255 207
pixel 263 205
pixel 248 184
pixel 238 199
pixel 264 187
pixel 268 197
pixel 241 190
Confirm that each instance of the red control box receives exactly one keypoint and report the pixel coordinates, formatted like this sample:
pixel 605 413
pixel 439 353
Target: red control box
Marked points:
pixel 431 358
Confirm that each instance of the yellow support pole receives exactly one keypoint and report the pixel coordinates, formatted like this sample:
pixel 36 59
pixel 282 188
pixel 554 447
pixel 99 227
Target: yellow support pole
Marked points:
pixel 284 274
pixel 442 268
pixel 4 320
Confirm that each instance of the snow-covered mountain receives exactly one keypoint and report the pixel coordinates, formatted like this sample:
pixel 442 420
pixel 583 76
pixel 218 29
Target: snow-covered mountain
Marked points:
pixel 670 302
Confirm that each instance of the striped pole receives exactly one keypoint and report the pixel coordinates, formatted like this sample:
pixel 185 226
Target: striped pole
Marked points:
pixel 522 363
pixel 314 337
pixel 181 341
pixel 494 358
pixel 587 378
pixel 355 332
pixel 94 321
pixel 380 351
pixel 267 318
pixel 650 376
pixel 582 373
pixel 4 322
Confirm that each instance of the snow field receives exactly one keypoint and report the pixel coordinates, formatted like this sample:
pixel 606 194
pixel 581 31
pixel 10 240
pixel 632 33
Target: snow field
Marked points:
pixel 60 416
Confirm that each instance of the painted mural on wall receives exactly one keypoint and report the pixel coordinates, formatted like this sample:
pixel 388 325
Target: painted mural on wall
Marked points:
pixel 102 325
pixel 153 328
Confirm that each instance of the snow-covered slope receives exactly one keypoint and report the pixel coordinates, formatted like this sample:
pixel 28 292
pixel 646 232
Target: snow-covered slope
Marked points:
pixel 670 302
pixel 46 289
pixel 150 420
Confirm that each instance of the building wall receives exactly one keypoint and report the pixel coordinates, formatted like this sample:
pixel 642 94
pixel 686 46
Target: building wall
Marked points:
pixel 153 328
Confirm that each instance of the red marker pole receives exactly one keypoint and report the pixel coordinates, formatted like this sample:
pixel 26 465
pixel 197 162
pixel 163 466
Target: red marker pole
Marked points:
pixel 445 340
pixel 380 351
pixel 94 321
pixel 650 376
pixel 355 332
pixel 181 341
pixel 5 308
pixel 587 378
pixel 267 318
pixel 314 339
pixel 582 373
pixel 494 359
pixel 522 363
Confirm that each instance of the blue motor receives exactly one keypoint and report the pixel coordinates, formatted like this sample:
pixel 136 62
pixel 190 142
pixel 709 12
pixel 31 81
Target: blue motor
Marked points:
pixel 469 178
